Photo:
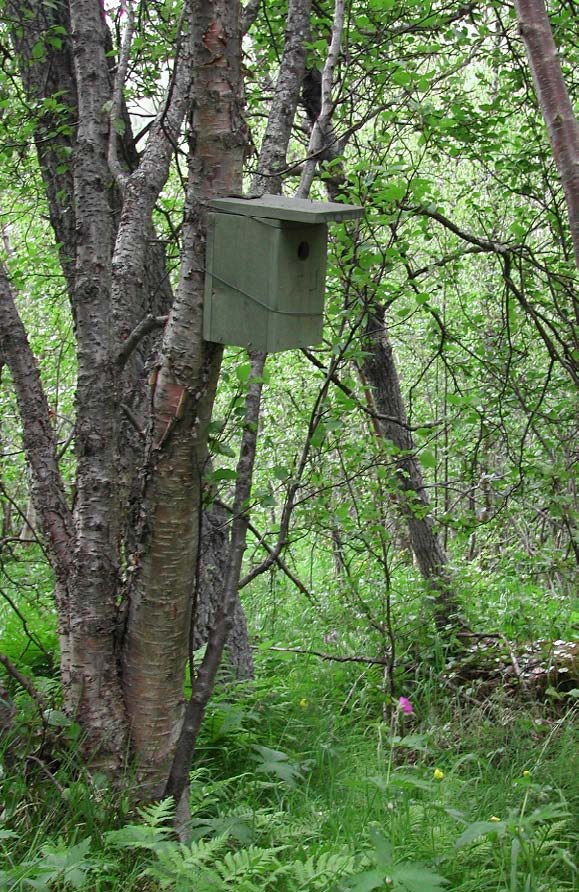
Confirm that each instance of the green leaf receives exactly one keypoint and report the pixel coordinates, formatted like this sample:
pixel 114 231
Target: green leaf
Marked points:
pixel 243 372
pixel 402 77
pixel 318 435
pixel 8 834
pixel 365 882
pixel 427 459
pixel 478 829
pixel 415 878
pixel 56 718
pixel 220 448
pixel 278 764
pixel 383 848
pixel 37 51
pixel 404 779
pixel 224 474
pixel 393 192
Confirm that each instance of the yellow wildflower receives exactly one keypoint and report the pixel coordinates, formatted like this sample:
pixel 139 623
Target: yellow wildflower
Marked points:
pixel 438 774
pixel 303 703
pixel 494 818
pixel 526 773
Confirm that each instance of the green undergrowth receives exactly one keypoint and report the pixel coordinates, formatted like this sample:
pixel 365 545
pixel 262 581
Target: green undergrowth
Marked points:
pixel 310 778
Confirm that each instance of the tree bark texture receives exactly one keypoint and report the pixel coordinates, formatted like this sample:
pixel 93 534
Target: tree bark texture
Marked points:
pixel 554 103
pixel 182 393
pixel 213 562
pixel 96 688
pixel 135 531
pixel 272 157
pixel 48 495
pixel 410 495
pixel 140 283
pixel 205 678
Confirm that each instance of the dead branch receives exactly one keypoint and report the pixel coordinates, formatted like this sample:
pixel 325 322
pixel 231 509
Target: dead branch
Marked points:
pixel 145 327
pixel 23 681
pixel 335 658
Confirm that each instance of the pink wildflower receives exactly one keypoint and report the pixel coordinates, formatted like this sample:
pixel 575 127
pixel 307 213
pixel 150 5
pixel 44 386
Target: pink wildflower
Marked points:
pixel 405 705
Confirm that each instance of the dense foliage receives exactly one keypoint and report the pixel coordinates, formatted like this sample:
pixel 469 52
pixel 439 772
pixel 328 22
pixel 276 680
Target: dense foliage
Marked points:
pixel 316 775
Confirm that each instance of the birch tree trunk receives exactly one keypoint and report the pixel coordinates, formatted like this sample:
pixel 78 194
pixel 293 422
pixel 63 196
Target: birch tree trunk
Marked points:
pixel 554 103
pixel 121 690
pixel 410 494
pixel 182 394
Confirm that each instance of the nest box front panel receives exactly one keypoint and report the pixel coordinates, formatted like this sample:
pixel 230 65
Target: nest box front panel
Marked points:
pixel 265 282
pixel 302 269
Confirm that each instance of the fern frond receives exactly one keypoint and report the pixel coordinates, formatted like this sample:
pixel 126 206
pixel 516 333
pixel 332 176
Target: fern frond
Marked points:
pixel 159 813
pixel 321 872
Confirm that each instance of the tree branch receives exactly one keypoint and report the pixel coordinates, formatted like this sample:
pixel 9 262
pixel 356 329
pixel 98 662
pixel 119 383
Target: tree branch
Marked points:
pixel 115 118
pixel 318 137
pixel 145 326
pixel 366 409
pixel 249 15
pixel 279 561
pixel 482 243
pixel 371 661
pixel 272 156
pixel 22 680
pixel 48 493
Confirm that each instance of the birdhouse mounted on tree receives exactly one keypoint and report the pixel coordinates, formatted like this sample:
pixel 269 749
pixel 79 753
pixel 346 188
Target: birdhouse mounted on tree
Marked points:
pixel 266 270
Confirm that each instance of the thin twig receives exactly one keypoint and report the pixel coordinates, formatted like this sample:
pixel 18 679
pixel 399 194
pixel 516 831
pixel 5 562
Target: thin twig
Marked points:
pixel 32 638
pixel 349 392
pixel 279 561
pixel 48 773
pixel 514 661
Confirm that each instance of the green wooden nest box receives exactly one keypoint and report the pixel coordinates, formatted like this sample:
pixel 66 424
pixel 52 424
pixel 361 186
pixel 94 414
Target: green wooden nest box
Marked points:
pixel 266 270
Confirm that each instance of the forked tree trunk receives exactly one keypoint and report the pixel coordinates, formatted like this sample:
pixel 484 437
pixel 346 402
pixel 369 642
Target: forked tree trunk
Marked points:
pixel 125 682
pixel 140 285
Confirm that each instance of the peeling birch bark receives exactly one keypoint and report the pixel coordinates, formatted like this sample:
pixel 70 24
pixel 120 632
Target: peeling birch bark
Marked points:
pixel 181 401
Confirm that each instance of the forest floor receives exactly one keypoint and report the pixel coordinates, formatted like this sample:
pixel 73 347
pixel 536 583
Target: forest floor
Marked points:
pixel 311 778
pixel 451 773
